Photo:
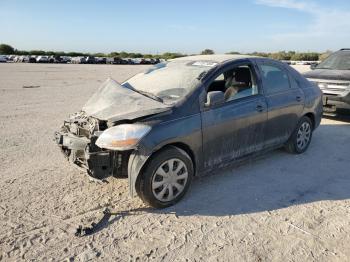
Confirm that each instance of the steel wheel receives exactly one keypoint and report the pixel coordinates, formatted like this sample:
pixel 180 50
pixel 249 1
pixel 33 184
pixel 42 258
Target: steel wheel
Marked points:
pixel 169 180
pixel 303 135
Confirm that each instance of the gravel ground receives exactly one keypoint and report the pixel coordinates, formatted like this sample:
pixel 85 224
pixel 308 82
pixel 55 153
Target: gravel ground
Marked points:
pixel 280 207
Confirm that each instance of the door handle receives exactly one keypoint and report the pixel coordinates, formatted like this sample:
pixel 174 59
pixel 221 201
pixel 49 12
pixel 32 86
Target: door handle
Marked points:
pixel 298 98
pixel 259 108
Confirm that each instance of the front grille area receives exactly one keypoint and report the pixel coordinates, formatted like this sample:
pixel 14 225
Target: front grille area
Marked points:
pixel 332 87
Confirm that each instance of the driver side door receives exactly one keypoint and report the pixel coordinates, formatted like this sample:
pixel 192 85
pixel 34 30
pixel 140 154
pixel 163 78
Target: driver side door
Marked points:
pixel 236 127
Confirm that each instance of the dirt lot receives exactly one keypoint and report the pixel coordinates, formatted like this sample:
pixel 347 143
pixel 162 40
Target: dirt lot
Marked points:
pixel 281 207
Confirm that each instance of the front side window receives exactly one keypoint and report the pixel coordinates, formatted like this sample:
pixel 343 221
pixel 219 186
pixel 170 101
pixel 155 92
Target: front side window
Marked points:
pixel 235 83
pixel 274 79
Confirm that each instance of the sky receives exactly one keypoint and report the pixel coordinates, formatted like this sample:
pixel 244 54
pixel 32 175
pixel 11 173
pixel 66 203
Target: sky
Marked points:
pixel 185 26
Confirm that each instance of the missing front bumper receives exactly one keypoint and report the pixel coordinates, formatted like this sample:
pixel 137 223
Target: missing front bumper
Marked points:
pixel 98 163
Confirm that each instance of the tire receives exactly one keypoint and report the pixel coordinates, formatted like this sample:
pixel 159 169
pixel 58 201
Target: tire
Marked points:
pixel 300 140
pixel 158 186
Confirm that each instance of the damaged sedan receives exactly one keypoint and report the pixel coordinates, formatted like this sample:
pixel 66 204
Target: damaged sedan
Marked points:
pixel 187 117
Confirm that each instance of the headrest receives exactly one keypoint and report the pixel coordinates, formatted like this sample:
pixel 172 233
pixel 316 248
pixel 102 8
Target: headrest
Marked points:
pixel 242 74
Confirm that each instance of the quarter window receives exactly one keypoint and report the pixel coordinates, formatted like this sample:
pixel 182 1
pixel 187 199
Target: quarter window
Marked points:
pixel 274 79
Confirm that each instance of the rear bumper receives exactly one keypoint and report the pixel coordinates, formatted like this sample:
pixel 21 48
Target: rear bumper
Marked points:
pixel 97 162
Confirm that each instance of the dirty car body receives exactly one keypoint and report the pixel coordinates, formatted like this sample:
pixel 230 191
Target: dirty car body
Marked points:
pixel 214 110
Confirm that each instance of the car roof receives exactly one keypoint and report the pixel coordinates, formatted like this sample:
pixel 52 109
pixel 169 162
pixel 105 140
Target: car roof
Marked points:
pixel 214 58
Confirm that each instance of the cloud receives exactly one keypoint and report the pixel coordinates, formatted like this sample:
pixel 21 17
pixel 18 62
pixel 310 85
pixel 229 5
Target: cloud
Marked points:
pixel 302 6
pixel 328 25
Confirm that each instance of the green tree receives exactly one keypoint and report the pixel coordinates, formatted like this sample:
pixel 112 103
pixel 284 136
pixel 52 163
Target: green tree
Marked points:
pixel 305 57
pixel 114 54
pixel 6 49
pixel 207 52
pixel 325 55
pixel 123 54
pixel 37 52
pixel 147 56
pixel 233 53
pixel 99 54
pixel 168 55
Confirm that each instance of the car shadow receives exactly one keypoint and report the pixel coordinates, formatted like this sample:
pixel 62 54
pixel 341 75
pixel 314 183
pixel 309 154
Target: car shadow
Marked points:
pixel 270 182
pixel 344 116
pixel 276 180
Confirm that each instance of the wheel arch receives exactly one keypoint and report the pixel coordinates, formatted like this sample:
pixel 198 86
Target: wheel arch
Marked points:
pixel 137 163
pixel 311 116
pixel 179 145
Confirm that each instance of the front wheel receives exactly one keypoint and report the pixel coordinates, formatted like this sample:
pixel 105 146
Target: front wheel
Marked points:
pixel 166 178
pixel 301 137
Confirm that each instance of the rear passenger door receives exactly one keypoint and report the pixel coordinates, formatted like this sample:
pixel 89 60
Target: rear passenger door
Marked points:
pixel 285 102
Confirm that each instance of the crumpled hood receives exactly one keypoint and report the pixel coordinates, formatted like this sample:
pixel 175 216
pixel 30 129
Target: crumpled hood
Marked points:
pixel 114 102
pixel 328 74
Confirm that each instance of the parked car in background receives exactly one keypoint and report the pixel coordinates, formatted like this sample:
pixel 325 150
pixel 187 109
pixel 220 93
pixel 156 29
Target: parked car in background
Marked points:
pixel 22 59
pixel 145 61
pixel 11 58
pixel 136 61
pixel 113 60
pixel 130 61
pixel 101 60
pixel 18 59
pixel 3 59
pixel 187 117
pixel 56 59
pixel 332 76
pixel 90 60
pixel 78 60
pixel 30 59
pixel 42 59
pixel 66 59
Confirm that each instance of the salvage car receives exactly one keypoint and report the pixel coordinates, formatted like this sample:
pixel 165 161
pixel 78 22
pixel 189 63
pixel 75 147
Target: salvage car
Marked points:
pixel 333 77
pixel 187 117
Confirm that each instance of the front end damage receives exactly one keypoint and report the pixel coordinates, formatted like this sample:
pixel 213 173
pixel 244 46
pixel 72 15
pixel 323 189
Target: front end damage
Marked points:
pixel 103 138
pixel 77 140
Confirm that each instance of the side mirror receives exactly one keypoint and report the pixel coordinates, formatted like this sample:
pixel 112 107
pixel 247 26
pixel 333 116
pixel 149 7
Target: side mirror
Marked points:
pixel 215 98
pixel 313 66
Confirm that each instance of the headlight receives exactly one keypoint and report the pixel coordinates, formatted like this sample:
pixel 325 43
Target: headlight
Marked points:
pixel 122 137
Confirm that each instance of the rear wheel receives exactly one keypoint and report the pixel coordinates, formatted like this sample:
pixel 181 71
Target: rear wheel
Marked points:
pixel 166 178
pixel 301 137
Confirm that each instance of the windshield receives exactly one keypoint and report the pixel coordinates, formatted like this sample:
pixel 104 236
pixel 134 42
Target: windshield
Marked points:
pixel 336 61
pixel 170 81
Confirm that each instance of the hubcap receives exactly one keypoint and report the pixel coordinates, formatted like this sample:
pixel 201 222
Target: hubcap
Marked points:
pixel 169 180
pixel 303 136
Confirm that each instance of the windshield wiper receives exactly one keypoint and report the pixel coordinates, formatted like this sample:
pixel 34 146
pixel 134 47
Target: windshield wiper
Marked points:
pixel 149 95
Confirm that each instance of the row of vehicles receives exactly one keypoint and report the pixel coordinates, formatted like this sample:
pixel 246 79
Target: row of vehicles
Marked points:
pixel 79 60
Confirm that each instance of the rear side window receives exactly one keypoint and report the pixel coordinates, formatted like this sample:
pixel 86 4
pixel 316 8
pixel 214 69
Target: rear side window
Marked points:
pixel 274 79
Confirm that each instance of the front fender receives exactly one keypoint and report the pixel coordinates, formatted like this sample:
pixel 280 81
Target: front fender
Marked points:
pixel 136 161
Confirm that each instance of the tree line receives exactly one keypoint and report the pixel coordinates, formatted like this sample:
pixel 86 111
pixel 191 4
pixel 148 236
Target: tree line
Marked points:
pixel 292 55
pixel 9 50
pixel 282 55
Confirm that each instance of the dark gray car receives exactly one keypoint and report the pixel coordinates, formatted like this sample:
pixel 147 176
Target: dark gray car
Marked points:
pixel 186 118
